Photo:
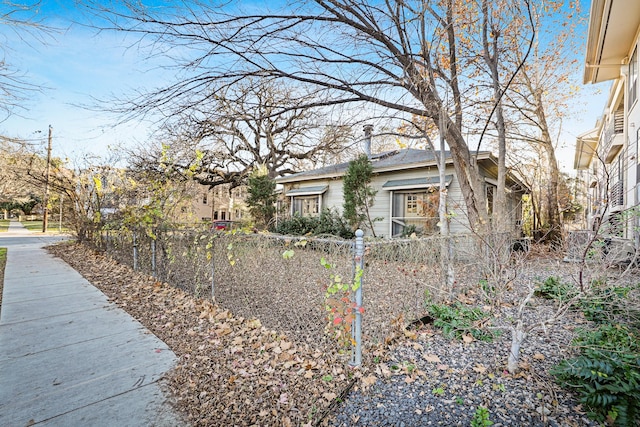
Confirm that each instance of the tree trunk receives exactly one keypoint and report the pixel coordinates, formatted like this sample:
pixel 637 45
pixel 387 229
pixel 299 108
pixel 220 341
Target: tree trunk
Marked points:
pixel 554 235
pixel 518 336
pixel 446 249
pixel 468 178
pixel 499 220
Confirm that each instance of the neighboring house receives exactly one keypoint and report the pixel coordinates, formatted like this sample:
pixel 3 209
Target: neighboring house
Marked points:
pixel 407 183
pixel 606 157
pixel 220 203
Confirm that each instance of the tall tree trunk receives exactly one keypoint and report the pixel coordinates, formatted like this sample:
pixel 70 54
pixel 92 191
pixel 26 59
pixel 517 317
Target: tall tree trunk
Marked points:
pixel 446 248
pixel 554 235
pixel 468 177
pixel 466 170
pixel 491 58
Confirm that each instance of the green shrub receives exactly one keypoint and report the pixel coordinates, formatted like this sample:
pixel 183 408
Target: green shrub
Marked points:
pixel 329 222
pixel 606 375
pixel 601 304
pixel 553 288
pixel 457 320
pixel 481 418
pixel 605 302
pixel 296 225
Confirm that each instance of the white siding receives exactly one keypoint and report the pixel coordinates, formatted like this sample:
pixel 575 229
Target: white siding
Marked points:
pixel 333 197
pixel 459 223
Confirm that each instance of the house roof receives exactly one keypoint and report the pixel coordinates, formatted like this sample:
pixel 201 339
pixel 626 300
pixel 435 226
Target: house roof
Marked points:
pixel 406 184
pixel 613 25
pixel 396 160
pixel 382 162
pixel 307 191
pixel 586 146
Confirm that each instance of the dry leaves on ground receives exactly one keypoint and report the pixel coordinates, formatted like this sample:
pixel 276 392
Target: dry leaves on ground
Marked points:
pixel 230 371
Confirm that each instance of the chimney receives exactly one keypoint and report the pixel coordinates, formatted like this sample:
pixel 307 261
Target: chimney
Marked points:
pixel 367 139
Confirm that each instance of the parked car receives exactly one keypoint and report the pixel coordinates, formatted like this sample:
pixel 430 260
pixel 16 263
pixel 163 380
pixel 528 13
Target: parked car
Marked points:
pixel 221 224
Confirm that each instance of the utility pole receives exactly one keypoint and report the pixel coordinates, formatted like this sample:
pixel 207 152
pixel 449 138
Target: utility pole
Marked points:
pixel 45 210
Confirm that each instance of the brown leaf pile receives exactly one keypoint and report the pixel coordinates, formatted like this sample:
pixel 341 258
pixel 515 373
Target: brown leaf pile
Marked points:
pixel 231 371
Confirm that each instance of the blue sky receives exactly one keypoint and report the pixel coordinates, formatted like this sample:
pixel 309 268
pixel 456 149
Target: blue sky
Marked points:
pixel 76 65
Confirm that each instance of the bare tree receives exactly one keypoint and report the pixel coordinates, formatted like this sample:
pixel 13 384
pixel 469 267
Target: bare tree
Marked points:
pixel 255 123
pixel 539 98
pixel 19 18
pixel 400 56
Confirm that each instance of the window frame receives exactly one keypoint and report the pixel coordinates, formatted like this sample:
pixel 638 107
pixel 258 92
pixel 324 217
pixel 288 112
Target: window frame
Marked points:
pixel 308 205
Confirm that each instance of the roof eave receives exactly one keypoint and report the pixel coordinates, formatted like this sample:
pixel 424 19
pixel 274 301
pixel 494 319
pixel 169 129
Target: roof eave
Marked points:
pixel 594 40
pixel 613 28
pixel 586 146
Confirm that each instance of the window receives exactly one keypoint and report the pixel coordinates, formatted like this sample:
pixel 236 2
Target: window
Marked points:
pixel 414 212
pixel 633 78
pixel 306 206
pixel 412 203
pixel 223 215
pixel 490 194
pixel 204 199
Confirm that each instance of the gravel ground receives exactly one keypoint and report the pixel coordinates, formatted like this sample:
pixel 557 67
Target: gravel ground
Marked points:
pixel 233 371
pixel 434 381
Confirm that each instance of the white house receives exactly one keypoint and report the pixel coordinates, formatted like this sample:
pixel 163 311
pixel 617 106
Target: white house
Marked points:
pixel 407 183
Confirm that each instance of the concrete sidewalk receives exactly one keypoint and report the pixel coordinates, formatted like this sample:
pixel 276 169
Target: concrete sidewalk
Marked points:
pixel 68 357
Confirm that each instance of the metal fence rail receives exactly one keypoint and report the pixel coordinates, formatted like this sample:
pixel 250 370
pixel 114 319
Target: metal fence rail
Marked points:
pixel 249 275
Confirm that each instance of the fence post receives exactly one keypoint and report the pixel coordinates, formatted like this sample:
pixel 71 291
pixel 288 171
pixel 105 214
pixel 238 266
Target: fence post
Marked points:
pixel 135 250
pixel 213 269
pixel 153 257
pixel 356 331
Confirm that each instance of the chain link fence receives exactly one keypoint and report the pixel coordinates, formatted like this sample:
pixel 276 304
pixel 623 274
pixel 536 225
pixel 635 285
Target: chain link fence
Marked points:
pixel 282 282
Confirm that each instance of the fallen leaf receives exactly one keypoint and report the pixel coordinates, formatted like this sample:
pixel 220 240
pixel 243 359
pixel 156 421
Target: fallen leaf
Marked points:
pixel 383 369
pixel 539 356
pixel 410 334
pixel 467 338
pixel 431 358
pixel 369 380
pixel 285 345
pixel 479 368
pixel 329 396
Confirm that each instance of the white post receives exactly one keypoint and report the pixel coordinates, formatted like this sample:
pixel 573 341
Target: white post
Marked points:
pixel 135 251
pixel 153 258
pixel 213 269
pixel 60 217
pixel 356 359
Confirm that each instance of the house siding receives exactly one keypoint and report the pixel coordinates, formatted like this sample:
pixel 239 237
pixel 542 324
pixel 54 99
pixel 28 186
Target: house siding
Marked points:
pixel 408 166
pixel 333 198
pixel 459 223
